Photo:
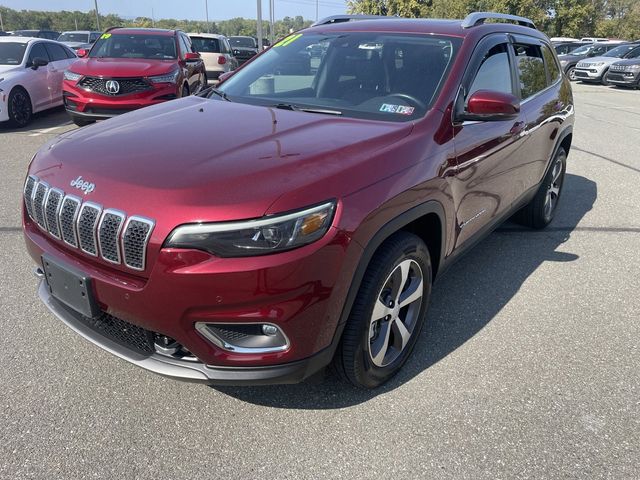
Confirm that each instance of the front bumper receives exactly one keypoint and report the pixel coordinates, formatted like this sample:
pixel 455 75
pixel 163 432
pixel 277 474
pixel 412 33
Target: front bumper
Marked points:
pixel 623 78
pixel 91 105
pixel 186 370
pixel 592 74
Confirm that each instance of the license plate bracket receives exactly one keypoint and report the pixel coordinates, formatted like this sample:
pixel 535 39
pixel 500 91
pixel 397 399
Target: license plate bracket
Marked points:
pixel 70 286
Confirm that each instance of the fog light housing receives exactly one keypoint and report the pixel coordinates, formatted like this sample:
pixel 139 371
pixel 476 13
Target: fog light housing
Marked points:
pixel 249 338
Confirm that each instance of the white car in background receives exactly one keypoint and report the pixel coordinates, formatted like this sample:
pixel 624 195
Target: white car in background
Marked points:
pixel 78 39
pixel 31 71
pixel 215 50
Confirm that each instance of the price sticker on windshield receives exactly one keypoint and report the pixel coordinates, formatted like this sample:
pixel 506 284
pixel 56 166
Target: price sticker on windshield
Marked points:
pixel 288 40
pixel 104 36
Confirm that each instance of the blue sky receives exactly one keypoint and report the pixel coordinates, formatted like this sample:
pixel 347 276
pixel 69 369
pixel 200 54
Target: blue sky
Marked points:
pixel 187 9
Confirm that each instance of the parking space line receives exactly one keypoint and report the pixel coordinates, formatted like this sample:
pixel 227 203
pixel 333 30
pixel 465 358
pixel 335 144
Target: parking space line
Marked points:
pixel 44 131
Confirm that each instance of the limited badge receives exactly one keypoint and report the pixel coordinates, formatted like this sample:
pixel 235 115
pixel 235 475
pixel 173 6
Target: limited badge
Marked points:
pixel 399 109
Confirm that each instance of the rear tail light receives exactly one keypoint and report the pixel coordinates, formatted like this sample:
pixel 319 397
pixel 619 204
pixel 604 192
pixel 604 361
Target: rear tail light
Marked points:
pixel 222 60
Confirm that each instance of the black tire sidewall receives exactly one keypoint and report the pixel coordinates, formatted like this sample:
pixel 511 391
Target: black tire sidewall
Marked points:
pixel 13 121
pixel 543 220
pixel 361 370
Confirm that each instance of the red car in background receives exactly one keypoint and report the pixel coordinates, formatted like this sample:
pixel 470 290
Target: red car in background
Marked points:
pixel 131 68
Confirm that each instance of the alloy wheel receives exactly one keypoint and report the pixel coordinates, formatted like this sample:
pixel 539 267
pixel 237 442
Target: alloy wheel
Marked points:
pixel 20 108
pixel 395 313
pixel 553 190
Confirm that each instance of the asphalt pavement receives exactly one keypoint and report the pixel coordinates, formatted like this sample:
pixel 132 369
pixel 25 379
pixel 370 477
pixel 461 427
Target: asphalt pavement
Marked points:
pixel 529 366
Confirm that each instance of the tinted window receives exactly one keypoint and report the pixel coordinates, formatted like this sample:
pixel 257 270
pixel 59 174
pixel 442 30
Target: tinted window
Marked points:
pixel 391 77
pixel 74 37
pixel 634 53
pixel 94 36
pixel 620 51
pixel 552 66
pixel 247 42
pixel 494 72
pixel 37 50
pixel 185 44
pixel 134 46
pixel 12 53
pixel 206 45
pixel 56 52
pixel 531 71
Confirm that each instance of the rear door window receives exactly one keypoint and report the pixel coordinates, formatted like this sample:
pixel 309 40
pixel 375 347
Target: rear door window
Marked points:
pixel 531 70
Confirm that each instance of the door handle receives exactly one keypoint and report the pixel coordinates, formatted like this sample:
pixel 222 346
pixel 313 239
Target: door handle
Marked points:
pixel 517 128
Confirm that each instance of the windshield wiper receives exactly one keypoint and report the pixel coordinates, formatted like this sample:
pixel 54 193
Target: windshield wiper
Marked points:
pixel 296 108
pixel 220 93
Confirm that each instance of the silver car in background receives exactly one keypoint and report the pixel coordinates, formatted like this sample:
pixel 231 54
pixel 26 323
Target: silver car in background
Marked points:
pixel 78 39
pixel 216 53
pixel 595 69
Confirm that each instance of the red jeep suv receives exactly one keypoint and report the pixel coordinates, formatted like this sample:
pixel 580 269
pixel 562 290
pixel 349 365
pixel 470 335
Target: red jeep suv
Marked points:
pixel 130 68
pixel 299 214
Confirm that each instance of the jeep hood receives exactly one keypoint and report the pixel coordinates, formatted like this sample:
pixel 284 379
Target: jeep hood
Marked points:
pixel 123 67
pixel 200 159
pixel 605 60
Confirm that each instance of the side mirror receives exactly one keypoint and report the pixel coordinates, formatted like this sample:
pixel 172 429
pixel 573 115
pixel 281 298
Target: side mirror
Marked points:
pixel 488 105
pixel 224 76
pixel 191 57
pixel 39 62
pixel 82 52
pixel 236 52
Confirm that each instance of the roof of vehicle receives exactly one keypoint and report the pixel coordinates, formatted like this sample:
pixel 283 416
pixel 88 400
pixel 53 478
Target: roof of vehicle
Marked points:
pixel 80 31
pixel 20 39
pixel 206 35
pixel 143 31
pixel 240 36
pixel 420 25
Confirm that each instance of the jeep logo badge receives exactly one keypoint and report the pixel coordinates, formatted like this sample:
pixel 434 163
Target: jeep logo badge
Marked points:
pixel 112 87
pixel 80 184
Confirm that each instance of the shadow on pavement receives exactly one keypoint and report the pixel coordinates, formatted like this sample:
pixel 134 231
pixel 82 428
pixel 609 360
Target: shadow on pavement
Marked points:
pixel 463 301
pixel 54 117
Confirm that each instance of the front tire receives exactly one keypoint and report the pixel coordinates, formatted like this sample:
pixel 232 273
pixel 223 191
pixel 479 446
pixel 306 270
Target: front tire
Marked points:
pixel 540 211
pixel 603 80
pixel 184 92
pixel 387 314
pixel 19 108
pixel 571 73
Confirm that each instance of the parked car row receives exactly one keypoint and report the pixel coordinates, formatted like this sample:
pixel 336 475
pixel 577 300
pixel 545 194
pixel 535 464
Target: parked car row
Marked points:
pixel 119 70
pixel 605 63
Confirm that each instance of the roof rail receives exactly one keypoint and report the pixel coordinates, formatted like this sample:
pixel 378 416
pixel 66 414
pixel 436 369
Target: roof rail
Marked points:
pixel 347 18
pixel 478 18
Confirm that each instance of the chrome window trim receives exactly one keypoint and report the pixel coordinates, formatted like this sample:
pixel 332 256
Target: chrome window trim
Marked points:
pixel 78 203
pixel 151 224
pixel 46 202
pixel 123 216
pixel 33 200
pixel 95 226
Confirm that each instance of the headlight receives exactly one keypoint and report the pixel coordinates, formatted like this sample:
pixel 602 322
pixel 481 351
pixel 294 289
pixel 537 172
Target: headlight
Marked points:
pixel 597 64
pixel 256 237
pixel 563 62
pixel 167 78
pixel 73 76
pixel 633 68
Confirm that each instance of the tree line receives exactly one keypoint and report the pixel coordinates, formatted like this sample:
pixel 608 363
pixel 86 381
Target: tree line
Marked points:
pixel 569 18
pixel 76 20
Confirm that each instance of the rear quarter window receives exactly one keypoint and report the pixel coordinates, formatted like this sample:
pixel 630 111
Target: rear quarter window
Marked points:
pixel 531 70
pixel 552 65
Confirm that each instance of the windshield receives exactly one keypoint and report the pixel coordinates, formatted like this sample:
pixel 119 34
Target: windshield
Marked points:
pixel 620 51
pixel 205 45
pixel 134 46
pixel 12 53
pixel 582 50
pixel 242 42
pixel 392 77
pixel 74 37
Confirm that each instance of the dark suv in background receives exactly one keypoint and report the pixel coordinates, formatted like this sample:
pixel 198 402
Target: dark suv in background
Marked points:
pixel 244 48
pixel 625 73
pixel 131 68
pixel 309 225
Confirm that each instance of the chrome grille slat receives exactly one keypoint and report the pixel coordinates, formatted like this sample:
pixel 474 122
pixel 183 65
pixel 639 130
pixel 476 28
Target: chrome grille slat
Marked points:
pixel 29 185
pixel 39 196
pixel 51 208
pixel 86 226
pixel 135 240
pixel 67 217
pixel 109 229
pixel 108 234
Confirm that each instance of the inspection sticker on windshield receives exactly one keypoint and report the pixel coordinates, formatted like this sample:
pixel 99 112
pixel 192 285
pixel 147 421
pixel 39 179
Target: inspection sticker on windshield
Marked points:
pixel 400 109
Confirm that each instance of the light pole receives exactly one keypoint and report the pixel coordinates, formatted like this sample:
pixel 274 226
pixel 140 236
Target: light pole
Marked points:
pixel 317 10
pixel 259 25
pixel 97 15
pixel 206 9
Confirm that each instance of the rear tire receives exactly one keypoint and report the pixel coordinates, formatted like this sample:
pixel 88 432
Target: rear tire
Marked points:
pixel 540 211
pixel 19 108
pixel 387 314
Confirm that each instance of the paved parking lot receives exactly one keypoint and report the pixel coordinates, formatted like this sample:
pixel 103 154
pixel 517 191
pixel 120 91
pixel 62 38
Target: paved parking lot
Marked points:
pixel 529 367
